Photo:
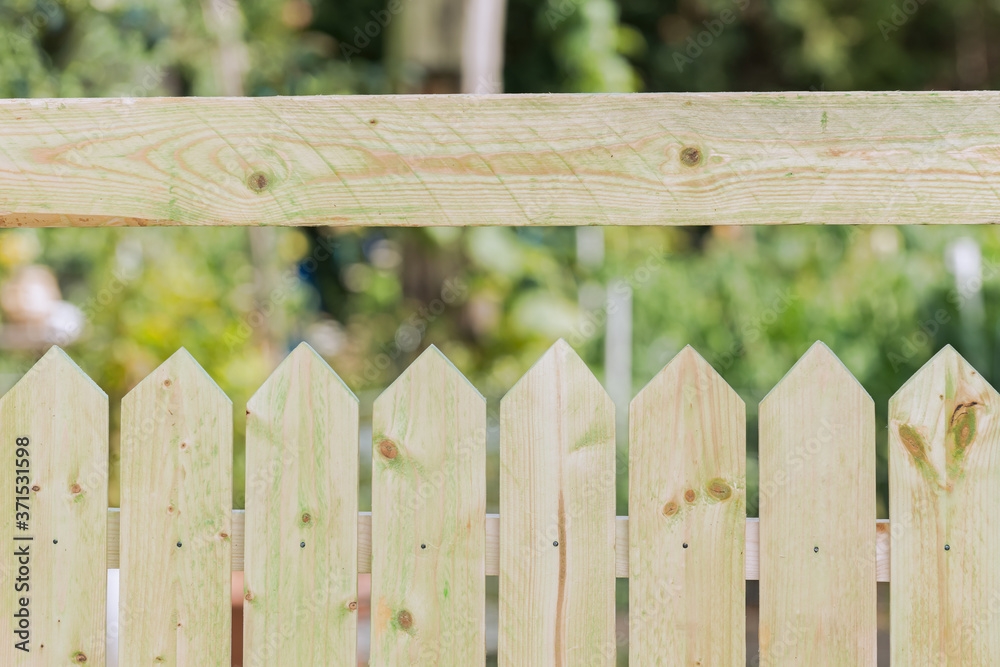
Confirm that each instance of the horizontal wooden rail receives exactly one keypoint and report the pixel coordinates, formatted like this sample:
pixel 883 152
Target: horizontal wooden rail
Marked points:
pixel 650 159
pixel 493 545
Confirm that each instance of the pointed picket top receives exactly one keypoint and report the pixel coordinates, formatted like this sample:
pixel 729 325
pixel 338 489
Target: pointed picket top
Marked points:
pixel 180 365
pixel 691 370
pixel 943 398
pixel 949 366
pixel 819 366
pixel 303 355
pixel 430 360
pixel 563 361
pixel 55 366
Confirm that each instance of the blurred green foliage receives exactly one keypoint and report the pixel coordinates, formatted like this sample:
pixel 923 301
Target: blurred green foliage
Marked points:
pixel 750 300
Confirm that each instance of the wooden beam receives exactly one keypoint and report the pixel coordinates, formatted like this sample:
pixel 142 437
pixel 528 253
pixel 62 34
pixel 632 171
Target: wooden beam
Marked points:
pixel 651 159
pixel 493 545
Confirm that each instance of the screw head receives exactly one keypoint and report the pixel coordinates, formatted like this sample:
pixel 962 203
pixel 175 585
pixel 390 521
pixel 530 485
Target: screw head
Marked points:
pixel 556 543
pixel 816 550
pixel 302 545
pixel 685 545
pixel 947 547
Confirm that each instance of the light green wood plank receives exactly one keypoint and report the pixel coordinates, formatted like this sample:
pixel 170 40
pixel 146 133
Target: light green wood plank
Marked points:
pixel 557 517
pixel 817 507
pixel 687 518
pixel 653 159
pixel 302 489
pixel 63 416
pixel 177 493
pixel 429 518
pixel 944 500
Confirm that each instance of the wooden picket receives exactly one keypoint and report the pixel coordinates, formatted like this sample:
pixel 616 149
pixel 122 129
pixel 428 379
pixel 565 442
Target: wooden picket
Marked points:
pixel 302 505
pixel 429 518
pixel 177 494
pixel 944 499
pixel 817 507
pixel 557 517
pixel 687 510
pixel 54 470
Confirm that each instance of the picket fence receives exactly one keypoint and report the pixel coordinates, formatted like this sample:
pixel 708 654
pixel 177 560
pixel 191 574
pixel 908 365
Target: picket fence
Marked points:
pixel 557 546
pixel 686 547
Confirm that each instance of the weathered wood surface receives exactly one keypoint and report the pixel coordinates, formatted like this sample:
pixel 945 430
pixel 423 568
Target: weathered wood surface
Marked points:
pixel 557 516
pixel 54 434
pixel 177 494
pixel 687 518
pixel 944 498
pixel 301 519
pixel 817 505
pixel 651 159
pixel 429 519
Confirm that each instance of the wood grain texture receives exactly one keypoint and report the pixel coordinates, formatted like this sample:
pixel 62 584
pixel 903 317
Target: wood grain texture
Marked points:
pixel 557 517
pixel 177 493
pixel 64 489
pixel 652 159
pixel 429 518
pixel 944 499
pixel 687 518
pixel 301 577
pixel 817 506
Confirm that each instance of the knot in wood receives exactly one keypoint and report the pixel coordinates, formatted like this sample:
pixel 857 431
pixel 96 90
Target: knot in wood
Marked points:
pixel 690 156
pixel 258 181
pixel 388 449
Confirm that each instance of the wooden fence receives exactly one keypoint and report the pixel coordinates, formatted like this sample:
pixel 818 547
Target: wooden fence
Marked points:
pixel 687 546
pixel 557 546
